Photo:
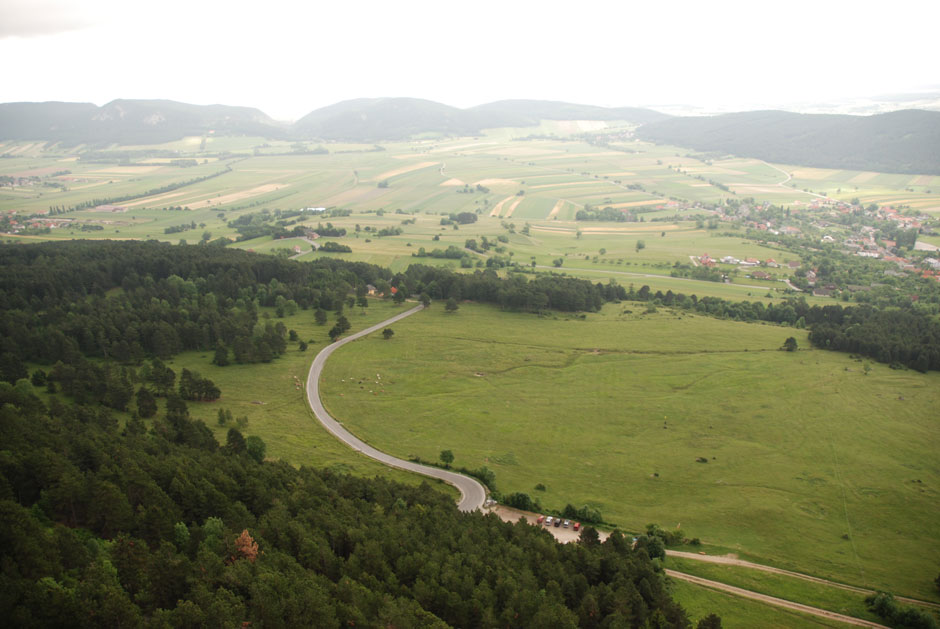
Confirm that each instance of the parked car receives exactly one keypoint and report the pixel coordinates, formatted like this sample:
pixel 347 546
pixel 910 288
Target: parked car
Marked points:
pixel 566 523
pixel 577 525
pixel 541 519
pixel 548 521
pixel 557 522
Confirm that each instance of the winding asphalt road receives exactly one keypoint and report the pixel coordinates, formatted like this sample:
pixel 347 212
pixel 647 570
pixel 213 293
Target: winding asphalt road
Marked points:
pixel 472 492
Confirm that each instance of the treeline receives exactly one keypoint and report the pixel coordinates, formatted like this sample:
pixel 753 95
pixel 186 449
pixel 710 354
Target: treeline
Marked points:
pixel 104 526
pixel 543 292
pixel 897 336
pixel 125 301
pixel 139 195
pixel 704 273
pixel 607 214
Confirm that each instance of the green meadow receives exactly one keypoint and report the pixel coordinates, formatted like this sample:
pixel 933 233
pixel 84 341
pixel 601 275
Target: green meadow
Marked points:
pixel 272 396
pixel 799 460
pixel 741 613
pixel 785 587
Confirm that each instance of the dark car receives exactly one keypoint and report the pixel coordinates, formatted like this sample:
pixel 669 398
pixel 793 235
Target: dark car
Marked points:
pixel 557 522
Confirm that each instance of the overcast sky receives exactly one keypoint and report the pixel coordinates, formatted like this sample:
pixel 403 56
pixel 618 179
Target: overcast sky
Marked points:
pixel 290 57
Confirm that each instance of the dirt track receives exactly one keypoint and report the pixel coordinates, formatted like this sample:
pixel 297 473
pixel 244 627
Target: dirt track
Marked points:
pixel 734 561
pixel 771 600
pixel 568 535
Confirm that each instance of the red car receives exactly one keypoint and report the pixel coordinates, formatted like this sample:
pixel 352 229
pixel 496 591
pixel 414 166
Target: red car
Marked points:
pixel 541 519
pixel 577 525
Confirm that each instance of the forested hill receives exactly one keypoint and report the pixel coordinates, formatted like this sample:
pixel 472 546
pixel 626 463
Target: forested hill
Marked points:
pixel 153 523
pixel 901 141
pixel 359 120
pixel 130 122
pixel 381 119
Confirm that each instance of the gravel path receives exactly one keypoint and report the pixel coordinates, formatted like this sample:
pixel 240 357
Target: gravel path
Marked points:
pixel 472 492
pixel 772 600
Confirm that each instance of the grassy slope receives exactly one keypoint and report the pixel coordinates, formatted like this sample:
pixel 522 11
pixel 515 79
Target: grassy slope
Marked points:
pixel 789 588
pixel 277 410
pixel 739 613
pixel 614 411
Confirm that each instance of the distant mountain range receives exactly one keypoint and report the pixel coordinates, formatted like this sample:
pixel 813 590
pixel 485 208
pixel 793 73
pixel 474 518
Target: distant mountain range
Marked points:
pixel 901 141
pixel 905 141
pixel 130 122
pixel 360 120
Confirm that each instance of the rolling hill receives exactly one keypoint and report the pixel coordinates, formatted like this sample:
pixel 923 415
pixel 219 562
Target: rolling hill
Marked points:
pixel 359 120
pixel 901 141
pixel 129 122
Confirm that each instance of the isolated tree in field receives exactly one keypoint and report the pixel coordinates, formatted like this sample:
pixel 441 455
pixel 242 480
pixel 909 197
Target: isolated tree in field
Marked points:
pixel 425 300
pixel 640 245
pixel 451 305
pixel 320 316
pixel 447 457
pixel 343 324
pixel 221 355
pixel 790 344
pixel 558 261
pixel 388 333
pixel 335 332
pixel 399 297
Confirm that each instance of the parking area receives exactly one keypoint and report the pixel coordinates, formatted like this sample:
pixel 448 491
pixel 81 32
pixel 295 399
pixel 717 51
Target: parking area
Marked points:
pixel 562 534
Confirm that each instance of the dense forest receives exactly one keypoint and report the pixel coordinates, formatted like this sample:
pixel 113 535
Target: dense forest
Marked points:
pixel 152 522
pixel 894 142
pixel 129 300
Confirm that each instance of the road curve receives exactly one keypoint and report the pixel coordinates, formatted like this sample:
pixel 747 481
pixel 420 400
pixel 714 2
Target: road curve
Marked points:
pixel 472 492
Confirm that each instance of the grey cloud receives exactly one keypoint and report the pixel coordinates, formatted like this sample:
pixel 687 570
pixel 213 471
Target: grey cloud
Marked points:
pixel 35 18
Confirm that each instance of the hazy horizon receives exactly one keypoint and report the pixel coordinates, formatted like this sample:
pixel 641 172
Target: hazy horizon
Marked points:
pixel 288 61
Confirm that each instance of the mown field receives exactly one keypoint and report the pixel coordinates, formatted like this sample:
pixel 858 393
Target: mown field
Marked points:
pixel 740 613
pixel 806 462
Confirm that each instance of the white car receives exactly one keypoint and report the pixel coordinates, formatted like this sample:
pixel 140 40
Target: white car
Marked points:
pixel 548 521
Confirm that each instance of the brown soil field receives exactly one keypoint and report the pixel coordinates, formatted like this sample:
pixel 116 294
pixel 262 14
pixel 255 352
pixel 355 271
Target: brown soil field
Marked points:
pixel 565 185
pixel 512 208
pixel 499 206
pixel 401 171
pixel 555 210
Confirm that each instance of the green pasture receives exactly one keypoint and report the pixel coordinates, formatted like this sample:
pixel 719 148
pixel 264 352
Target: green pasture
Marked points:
pixel 741 613
pixel 788 588
pixel 809 463
pixel 275 404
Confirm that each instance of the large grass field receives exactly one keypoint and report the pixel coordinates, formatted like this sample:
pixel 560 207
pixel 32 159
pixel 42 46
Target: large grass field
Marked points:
pixel 740 613
pixel 269 396
pixel 811 464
